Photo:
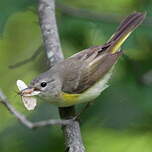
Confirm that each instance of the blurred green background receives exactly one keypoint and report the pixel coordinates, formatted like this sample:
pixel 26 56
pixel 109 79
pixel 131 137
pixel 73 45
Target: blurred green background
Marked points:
pixel 121 118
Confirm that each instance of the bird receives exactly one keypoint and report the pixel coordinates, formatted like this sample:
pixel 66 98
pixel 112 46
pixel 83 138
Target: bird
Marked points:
pixel 83 76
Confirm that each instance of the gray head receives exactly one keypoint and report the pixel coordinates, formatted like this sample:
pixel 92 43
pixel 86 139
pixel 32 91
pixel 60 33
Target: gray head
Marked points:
pixel 47 84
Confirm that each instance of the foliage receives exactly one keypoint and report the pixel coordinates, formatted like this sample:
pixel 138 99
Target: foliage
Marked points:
pixel 119 120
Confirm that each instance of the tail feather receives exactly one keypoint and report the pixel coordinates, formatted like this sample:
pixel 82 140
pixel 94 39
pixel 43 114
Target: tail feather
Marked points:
pixel 127 26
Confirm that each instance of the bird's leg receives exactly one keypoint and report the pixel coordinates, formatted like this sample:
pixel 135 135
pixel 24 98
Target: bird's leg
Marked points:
pixel 77 116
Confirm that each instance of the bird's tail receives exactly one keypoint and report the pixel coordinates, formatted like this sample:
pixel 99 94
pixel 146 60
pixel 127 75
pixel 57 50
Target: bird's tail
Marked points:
pixel 126 27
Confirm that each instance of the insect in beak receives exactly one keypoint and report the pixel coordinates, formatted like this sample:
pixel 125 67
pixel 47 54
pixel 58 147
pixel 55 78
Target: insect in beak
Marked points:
pixel 27 94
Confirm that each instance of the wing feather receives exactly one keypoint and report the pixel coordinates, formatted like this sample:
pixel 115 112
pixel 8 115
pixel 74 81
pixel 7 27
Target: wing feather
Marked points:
pixel 86 69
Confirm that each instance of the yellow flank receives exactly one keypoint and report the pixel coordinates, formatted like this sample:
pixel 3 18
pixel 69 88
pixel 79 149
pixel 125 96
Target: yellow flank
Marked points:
pixel 69 98
pixel 116 47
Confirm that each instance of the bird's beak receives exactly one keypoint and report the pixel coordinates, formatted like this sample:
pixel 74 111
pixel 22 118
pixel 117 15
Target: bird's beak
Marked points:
pixel 27 92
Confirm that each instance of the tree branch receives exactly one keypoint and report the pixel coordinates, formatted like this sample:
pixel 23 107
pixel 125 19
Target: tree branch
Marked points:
pixel 72 134
pixel 73 140
pixel 25 121
pixel 49 31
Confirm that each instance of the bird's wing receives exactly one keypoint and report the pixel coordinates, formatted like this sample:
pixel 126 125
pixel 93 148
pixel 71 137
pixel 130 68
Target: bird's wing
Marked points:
pixel 96 70
pixel 84 71
pixel 74 67
pixel 85 68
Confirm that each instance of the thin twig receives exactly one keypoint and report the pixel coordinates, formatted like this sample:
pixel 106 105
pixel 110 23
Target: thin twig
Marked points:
pixel 146 78
pixel 30 59
pixel 95 16
pixel 87 14
pixel 25 121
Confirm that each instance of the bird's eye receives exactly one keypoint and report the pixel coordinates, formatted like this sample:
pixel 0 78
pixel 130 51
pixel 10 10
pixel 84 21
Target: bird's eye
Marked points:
pixel 43 84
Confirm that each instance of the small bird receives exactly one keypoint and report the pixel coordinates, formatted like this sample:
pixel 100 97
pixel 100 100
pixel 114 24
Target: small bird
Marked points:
pixel 83 76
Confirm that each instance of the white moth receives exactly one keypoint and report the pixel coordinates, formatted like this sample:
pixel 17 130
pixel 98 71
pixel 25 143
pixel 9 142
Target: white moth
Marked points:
pixel 29 102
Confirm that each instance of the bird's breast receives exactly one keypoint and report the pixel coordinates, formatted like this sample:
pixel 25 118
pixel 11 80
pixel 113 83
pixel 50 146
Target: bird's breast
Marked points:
pixel 68 99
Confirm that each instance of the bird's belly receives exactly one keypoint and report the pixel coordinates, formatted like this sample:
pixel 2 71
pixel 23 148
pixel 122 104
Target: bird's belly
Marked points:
pixel 89 95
